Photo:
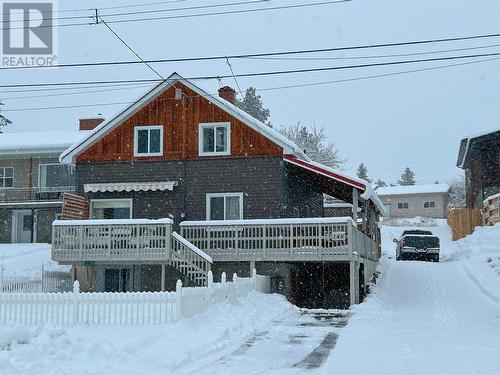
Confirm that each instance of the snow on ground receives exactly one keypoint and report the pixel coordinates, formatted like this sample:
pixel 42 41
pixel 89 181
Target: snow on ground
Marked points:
pixel 427 318
pixel 26 259
pixel 262 334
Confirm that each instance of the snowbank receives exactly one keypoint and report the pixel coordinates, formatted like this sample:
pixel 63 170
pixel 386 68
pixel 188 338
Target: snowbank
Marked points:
pixel 479 253
pixel 178 348
pixel 27 259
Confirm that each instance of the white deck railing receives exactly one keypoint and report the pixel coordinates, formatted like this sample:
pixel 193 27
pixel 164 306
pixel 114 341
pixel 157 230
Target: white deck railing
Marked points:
pixel 307 239
pixel 111 240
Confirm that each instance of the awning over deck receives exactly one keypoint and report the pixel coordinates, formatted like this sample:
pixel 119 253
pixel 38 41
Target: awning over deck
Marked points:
pixel 337 183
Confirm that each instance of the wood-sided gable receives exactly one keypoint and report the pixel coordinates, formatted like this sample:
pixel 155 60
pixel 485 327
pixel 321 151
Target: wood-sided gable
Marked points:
pixel 180 120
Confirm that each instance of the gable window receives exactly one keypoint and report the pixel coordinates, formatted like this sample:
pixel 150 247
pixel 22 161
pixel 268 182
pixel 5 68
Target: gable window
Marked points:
pixel 111 209
pixel 225 206
pixel 430 204
pixel 148 140
pixel 6 177
pixel 214 139
pixel 55 175
pixel 403 206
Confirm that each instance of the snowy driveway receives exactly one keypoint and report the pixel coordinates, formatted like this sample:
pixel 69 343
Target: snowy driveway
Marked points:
pixel 424 318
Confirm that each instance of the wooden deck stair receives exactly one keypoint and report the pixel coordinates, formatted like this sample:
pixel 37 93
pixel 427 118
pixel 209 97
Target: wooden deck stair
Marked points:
pixel 193 263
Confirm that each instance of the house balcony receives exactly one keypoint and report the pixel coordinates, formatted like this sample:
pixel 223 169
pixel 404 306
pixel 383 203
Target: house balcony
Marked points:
pixel 149 241
pixel 26 194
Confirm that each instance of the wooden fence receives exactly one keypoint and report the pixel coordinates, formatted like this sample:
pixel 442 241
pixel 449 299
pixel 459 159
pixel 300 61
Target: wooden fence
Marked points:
pixel 463 221
pixel 136 308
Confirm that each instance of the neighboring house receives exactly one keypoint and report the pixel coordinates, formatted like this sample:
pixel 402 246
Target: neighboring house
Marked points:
pixel 183 154
pixel 32 181
pixel 479 156
pixel 415 200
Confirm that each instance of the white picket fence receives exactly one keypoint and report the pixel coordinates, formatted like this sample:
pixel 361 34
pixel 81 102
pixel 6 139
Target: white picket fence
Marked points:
pixel 135 308
pixel 47 280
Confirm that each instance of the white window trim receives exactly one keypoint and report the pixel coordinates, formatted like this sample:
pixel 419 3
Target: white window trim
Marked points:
pixel 3 178
pixel 204 125
pixel 111 200
pixel 209 196
pixel 136 143
pixel 40 172
pixel 402 206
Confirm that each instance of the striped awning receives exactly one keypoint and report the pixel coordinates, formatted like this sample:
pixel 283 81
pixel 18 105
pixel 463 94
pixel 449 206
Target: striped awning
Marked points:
pixel 130 186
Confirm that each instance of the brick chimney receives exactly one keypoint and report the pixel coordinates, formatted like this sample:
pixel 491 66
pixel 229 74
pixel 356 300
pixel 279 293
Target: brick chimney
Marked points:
pixel 90 123
pixel 227 93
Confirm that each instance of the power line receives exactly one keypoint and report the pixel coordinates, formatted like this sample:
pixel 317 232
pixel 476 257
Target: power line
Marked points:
pixel 281 7
pixel 267 54
pixel 268 73
pixel 148 11
pixel 126 45
pixel 269 88
pixel 112 7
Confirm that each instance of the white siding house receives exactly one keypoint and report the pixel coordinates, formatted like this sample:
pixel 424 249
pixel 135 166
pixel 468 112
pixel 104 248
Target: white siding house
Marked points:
pixel 415 200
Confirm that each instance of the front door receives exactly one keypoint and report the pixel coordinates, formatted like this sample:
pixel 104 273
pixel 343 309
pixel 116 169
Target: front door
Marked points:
pixel 22 225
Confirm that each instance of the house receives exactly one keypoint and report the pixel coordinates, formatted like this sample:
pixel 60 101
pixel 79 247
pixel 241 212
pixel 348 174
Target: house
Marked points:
pixel 182 181
pixel 479 156
pixel 32 181
pixel 415 200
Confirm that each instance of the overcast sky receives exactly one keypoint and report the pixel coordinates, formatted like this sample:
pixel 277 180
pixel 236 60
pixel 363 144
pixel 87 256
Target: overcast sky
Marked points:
pixel 389 123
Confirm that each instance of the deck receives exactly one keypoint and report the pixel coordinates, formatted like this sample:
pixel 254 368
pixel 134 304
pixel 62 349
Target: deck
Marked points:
pixel 150 241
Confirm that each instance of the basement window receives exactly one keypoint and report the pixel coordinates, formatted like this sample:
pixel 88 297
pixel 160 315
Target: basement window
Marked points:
pixel 214 139
pixel 148 140
pixel 225 206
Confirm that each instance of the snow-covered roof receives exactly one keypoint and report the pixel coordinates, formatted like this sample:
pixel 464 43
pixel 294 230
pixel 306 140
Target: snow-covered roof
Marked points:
pixel 413 189
pixel 102 130
pixel 368 192
pixel 466 143
pixel 40 142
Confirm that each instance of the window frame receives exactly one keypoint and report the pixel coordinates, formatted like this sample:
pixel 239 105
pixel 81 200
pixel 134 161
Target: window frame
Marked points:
pixel 4 177
pixel 209 196
pixel 136 140
pixel 205 125
pixel 403 206
pixel 91 206
pixel 40 174
pixel 429 206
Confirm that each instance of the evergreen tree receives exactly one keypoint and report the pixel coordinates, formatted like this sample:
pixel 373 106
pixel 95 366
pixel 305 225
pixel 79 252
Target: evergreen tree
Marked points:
pixel 407 178
pixel 252 104
pixel 380 183
pixel 4 121
pixel 362 172
pixel 314 142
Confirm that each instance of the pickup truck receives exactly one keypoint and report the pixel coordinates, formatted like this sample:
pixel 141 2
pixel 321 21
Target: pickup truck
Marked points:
pixel 417 244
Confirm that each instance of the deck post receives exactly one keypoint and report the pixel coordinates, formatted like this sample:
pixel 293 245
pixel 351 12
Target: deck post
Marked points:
pixel 163 277
pixel 354 282
pixel 252 267
pixel 355 204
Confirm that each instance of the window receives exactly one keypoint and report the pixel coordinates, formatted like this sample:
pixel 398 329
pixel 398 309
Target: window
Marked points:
pixel 403 206
pixel 430 204
pixel 6 177
pixel 54 175
pixel 148 140
pixel 215 139
pixel 111 209
pixel 225 206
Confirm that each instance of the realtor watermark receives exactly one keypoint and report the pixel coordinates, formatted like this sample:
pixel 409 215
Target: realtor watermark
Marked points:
pixel 29 35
